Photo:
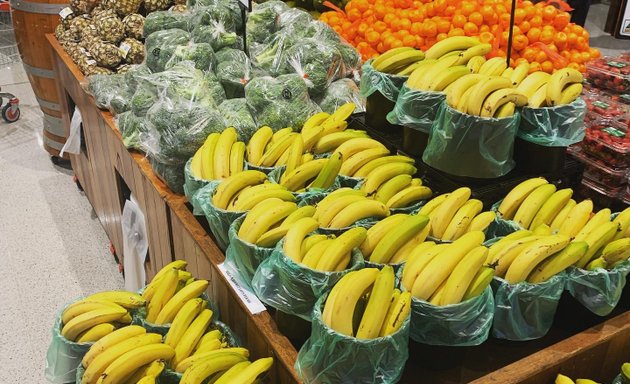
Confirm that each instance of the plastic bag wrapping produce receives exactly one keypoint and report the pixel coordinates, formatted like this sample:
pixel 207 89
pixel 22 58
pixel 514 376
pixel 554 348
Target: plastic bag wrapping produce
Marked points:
pixel 233 73
pixel 218 35
pixel 201 54
pixel 131 127
pixel 416 109
pixel 73 141
pixel 161 20
pixel 500 227
pixel 206 12
pixel 293 288
pixel 63 356
pixel 219 219
pixel 160 46
pixel 262 21
pixel 599 290
pixel 236 114
pixel 133 76
pixel 171 173
pixel 525 311
pixel 280 102
pixel 619 380
pixel 465 324
pixel 191 185
pixel 340 92
pixel 105 87
pixel 310 194
pixel 374 81
pixel 560 126
pixel 244 256
pixel 330 357
pixel 466 145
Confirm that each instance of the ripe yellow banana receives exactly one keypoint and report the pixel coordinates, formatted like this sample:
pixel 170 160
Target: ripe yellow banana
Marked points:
pixel 479 283
pixel 203 369
pixel 316 252
pixel 577 218
pixel 616 251
pixel 456 89
pixel 505 241
pixel 357 211
pixel 95 333
pixel 300 176
pixel 154 369
pixel 399 310
pixel 196 359
pixel 272 154
pixel 355 162
pixel 475 63
pixel 391 187
pixel 183 319
pixel 533 255
pixel 417 260
pixel 250 372
pixel 272 236
pixel 243 204
pixel 331 142
pixel 175 304
pixel 532 83
pixel 447 77
pixel 329 211
pixel 222 153
pixel 505 257
pixel 257 144
pixel 417 75
pixel 623 221
pixel 164 292
pixel 409 196
pixel 207 156
pixel 357 145
pixel 532 204
pixel 542 229
pixel 340 248
pixel 570 93
pixel 295 153
pixel 263 217
pixel 401 255
pixel 499 98
pixel 482 221
pixel 372 165
pixel 315 120
pixel 191 336
pixel 87 320
pixel 237 157
pixel 557 82
pixel 124 366
pixel 596 240
pixel 329 172
pixel 506 110
pixel 538 99
pixel 494 67
pixel 478 50
pixel 82 306
pixel 378 231
pixel 552 207
pixel 450 44
pixel 125 299
pixel 562 215
pixel 230 374
pixel 481 90
pixel 377 63
pixel 461 220
pixel 432 204
pixel 380 296
pixel 558 262
pixel 519 74
pixel 313 240
pixel 231 185
pixel 250 193
pixel 195 164
pixel 383 173
pixel 109 340
pixel 399 60
pixel 279 135
pixel 462 276
pixel 600 218
pixel 443 214
pixel 404 232
pixel 292 246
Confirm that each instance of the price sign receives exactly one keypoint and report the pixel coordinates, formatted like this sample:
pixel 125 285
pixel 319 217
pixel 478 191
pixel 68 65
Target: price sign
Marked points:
pixel 246 3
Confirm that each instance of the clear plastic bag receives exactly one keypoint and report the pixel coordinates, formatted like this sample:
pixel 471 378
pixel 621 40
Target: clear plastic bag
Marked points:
pixel 193 184
pixel 599 290
pixel 207 12
pixel 465 324
pixel 525 311
pixel 160 46
pixel 131 127
pixel 471 146
pixel 340 92
pixel 135 245
pixel 143 98
pixel 330 357
pixel 262 21
pixel 63 356
pixel 73 142
pixel 218 35
pixel 294 288
pixel 374 81
pixel 219 219
pixel 500 227
pixel 201 54
pixel 161 20
pixel 560 126
pixel 236 114
pixel 105 87
pixel 416 109
pixel 171 173
pixel 234 75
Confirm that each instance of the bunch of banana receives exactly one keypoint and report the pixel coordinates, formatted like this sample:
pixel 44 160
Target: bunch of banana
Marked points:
pixel 389 180
pixel 276 223
pixel 318 173
pixel 369 296
pixel 323 124
pixel 398 61
pixel 544 90
pixel 392 240
pixel 244 190
pixel 321 252
pixel 128 354
pixel 562 379
pixel 454 214
pixel 446 274
pixel 486 94
pixel 225 367
pixel 345 206
pixel 98 315
pixel 169 291
pixel 220 156
pixel 268 149
pixel 613 254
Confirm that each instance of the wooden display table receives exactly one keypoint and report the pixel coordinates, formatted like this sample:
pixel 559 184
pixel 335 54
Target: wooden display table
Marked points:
pixel 109 172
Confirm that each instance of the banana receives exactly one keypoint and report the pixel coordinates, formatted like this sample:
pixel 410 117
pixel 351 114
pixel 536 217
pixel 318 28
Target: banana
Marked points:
pixel 478 50
pixel 200 371
pixel 586 381
pixel 380 296
pixel 504 257
pixel 207 156
pixel 182 320
pixel 227 376
pixel 562 215
pixel 404 232
pixel 124 366
pixel 311 137
pixel 533 255
pixel 519 74
pixel 372 165
pixel 330 142
pixel 542 230
pixel 154 369
pixel 333 196
pixel 175 304
pixel 623 221
pixel 95 333
pixel 401 255
pixel 356 161
pixel 504 242
pixel 292 246
pixel 447 77
pixel 499 98
pixel 596 240
pixel 279 135
pixel 558 81
pixel 423 82
pixel 391 187
pixel 87 320
pixel 462 219
pixel 399 60
pixel 103 360
pixel 378 231
pixel 315 120
pixel 271 155
pixel 418 259
pixel 482 221
pixel 432 204
pixel 456 89
pixel 340 247
pixel 295 152
pixel 598 263
pixel 538 99
pixel 462 104
pixel 191 336
pixel 231 185
pixel 222 153
pixel 198 358
pixel 356 145
pixel 264 216
pixel 532 83
pixel 408 70
pixel 251 193
pixel 562 379
pixel 110 340
pixel 343 112
pixel 377 63
pixel 416 76
pixel 462 276
pixel 246 204
pixel 125 299
pixel 208 338
pixel 342 311
pixel 616 251
pixel 208 346
pixel 248 373
pixel 257 143
pixel 558 262
pixel 576 219
pixel 383 173
pixel 481 90
pixel 82 306
pixel 479 283
pixel 357 211
pixel 313 240
pixel 552 207
pixel 450 44
pixel 164 292
pixel 443 214
pixel 399 310
pixel 570 93
pixel 329 211
pixel 329 172
pixel 316 252
pixel 237 157
pixel 332 126
pixel 195 164
pixel 506 110
pixel 438 269
pixel 272 236
pixel 298 178
pixel 532 204
pixel 475 63
pixel 593 223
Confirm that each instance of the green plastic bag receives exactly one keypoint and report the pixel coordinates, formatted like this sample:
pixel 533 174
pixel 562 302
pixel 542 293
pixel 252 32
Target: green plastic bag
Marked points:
pixel 465 324
pixel 294 288
pixel 416 109
pixel 191 185
pixel 374 81
pixel 219 219
pixel 560 126
pixel 525 311
pixel 599 290
pixel 244 256
pixel 350 182
pixel 265 170
pixel 330 357
pixel 471 146
pixel 500 227
pixel 63 356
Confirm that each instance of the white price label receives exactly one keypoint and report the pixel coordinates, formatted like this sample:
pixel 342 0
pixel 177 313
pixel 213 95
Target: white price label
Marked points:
pixel 124 49
pixel 247 4
pixel 244 293
pixel 91 62
pixel 64 13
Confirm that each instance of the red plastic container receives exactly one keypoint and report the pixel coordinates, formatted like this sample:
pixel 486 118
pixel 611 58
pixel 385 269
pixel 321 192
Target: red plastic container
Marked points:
pixel 602 105
pixel 609 73
pixel 597 170
pixel 610 142
pixel 601 196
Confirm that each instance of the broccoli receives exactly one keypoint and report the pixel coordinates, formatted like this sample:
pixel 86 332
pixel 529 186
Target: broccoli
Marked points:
pixel 161 20
pixel 227 13
pixel 131 77
pixel 161 45
pixel 268 54
pixel 201 54
pixel 350 58
pixel 142 100
pixel 105 87
pixel 294 19
pixel 171 174
pixel 230 54
pixel 340 92
pixel 236 114
pixel 121 102
pixel 233 76
pixel 261 23
pixel 130 127
pixel 217 36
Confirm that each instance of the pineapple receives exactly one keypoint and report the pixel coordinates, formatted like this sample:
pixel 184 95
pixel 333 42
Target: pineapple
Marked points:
pixel 181 8
pixel 105 54
pixel 110 29
pixel 96 70
pixel 126 7
pixel 156 5
pixel 124 68
pixel 59 30
pixel 134 25
pixel 132 51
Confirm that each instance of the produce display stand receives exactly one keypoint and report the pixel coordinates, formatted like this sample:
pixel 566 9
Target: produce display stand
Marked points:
pixel 109 172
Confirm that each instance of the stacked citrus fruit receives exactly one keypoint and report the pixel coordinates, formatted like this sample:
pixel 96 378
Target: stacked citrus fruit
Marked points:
pixel 543 33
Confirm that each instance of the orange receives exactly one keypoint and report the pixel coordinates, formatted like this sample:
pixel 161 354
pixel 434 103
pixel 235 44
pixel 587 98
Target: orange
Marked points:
pixel 582 68
pixel 449 11
pixel 484 28
pixel 441 36
pixel 520 42
pixel 536 21
pixel 581 42
pixel 530 11
pixel 541 56
pixel 520 60
pixel 467 8
pixel 534 67
pixel 372 37
pixel 429 28
pixel 561 21
pixel 458 21
pixel 440 5
pixel 419 41
pixel 488 14
pixel 504 38
pixel 546 36
pixel 525 26
pixel 403 24
pixel 416 29
pixel 575 66
pixel 361 5
pixel 576 57
pixel 549 13
pixel 397 44
pixel 470 29
pixel 443 26
pixel 560 40
pixel 594 52
pixel 533 35
pixel 353 14
pixel 430 11
pixel 572 39
pixel 456 32
pixel 486 37
pixel 547 66
pixel 504 19
pixel 529 54
pixel 476 18
pixel 389 19
pixel 586 56
pixel 519 15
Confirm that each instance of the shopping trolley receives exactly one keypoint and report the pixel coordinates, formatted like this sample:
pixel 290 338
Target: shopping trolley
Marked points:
pixel 8 55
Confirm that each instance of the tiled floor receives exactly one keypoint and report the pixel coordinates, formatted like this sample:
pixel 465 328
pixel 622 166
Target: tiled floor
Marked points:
pixel 52 248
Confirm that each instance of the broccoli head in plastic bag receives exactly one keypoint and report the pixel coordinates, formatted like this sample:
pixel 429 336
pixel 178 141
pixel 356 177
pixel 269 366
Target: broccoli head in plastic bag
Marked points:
pixel 132 76
pixel 217 35
pixel 105 87
pixel 233 76
pixel 341 92
pixel 279 102
pixel 161 20
pixel 350 58
pixel 230 54
pixel 142 100
pixel 225 12
pixel 160 46
pixel 263 20
pixel 268 55
pixel 201 54
pixel 236 114
pixel 130 126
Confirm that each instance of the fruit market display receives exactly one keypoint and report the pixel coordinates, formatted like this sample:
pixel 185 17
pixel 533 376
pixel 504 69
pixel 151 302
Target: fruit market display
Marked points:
pixel 612 74
pixel 543 34
pixel 220 156
pixel 381 311
pixel 393 239
pixel 229 190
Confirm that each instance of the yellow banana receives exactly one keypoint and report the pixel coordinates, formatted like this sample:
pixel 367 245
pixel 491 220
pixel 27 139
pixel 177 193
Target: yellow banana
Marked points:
pixel 532 83
pixel 264 216
pixel 244 204
pixel 195 164
pixel 380 296
pixel 403 252
pixel 175 304
pixel 482 221
pixel 329 211
pixel 499 98
pixel 504 242
pixel 449 44
pixel 237 157
pixel 95 333
pixel 394 240
pixel 391 187
pixel 372 165
pixel 276 150
pixel 191 337
pixel 462 276
pixel 533 255
pixel 357 145
pixel 616 251
pixel 231 185
pixel 353 163
pixel 182 320
pixel 340 248
pixel 623 221
pixel 570 93
pixel 331 142
pixel 447 77
pixel 577 218
pixel 292 246
pixel 475 63
pixel 409 196
pixel 329 172
pixel 443 214
pixel 519 74
pixel 250 372
pixel 596 240
pixel 462 219
pixel 295 153
pixel 313 240
pixel 315 120
pixel 505 257
pixel 343 112
pixel 557 82
pixel 378 231
pixel 478 50
pixel 600 218
pixel 562 379
pixel 316 252
pixel 562 215
pixel 153 369
pixel 506 110
pixel 87 320
pixel 207 156
pixel 110 340
pixel 383 173
pixel 82 306
pixel 357 211
pixel 456 89
pixel 432 204
pixel 196 359
pixel 399 310
pixel 552 207
pixel 494 67
pixel 558 262
pixel 164 292
pixel 200 371
pixel 125 365
pixel 532 204
pixel 257 144
pixel 398 59
pixel 230 374
pixel 125 299
pixel 481 90
pixel 298 178
pixel 479 283
pixel 537 100
pixel 222 153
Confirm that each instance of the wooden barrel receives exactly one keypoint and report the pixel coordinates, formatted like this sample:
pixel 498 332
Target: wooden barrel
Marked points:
pixel 32 20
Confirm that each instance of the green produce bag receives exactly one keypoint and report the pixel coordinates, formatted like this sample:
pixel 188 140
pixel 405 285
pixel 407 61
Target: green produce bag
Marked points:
pixel 63 356
pixel 598 290
pixel 219 219
pixel 619 380
pixel 310 193
pixel 246 257
pixel 464 324
pixel 416 109
pixel 191 185
pixel 172 174
pixel 500 227
pixel 330 357
pixel 525 311
pixel 375 81
pixel 265 170
pixel 293 288
pixel 560 126
pixel 350 182
pixel 471 146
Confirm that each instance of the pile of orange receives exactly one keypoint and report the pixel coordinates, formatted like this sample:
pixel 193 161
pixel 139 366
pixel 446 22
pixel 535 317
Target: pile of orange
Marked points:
pixel 543 34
